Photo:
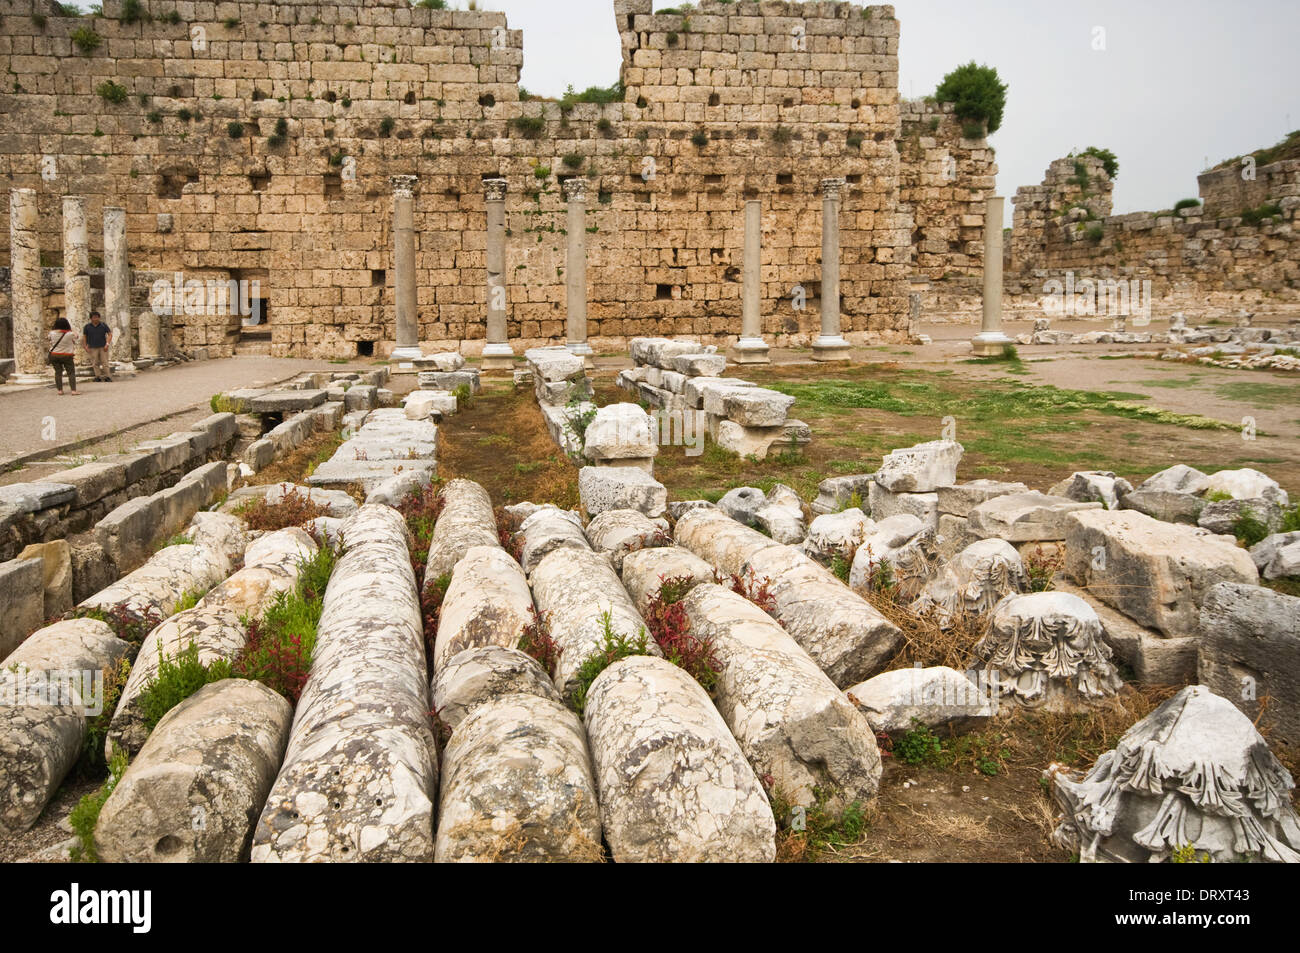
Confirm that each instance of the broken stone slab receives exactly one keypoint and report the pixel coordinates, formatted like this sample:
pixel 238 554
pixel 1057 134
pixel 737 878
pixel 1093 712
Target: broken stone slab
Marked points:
pixel 161 583
pixel 193 792
pixel 1085 486
pixel 660 352
pixel 756 442
pixel 646 570
pixel 1045 650
pixel 34 497
pixel 49 685
pixel 547 530
pixel 960 498
pixel 920 469
pixel 781 516
pixel 93 481
pixel 1177 479
pixel 360 772
pixel 833 535
pixel 447 361
pixel 282 549
pixel 484 674
pixel 1195 776
pixel 1278 556
pixel 368 473
pixel 363 397
pixel 22 601
pixel 619 532
pixel 577 592
pixel 677 507
pixel 487 603
pixel 1157 574
pixel 700 365
pixel 395 490
pixel 937 697
pixel 885 503
pixel 954 535
pixel 555 364
pixel 1170 506
pixel 620 432
pixel 1222 517
pixel 286 401
pixel 1025 517
pixel 451 380
pixel 56 570
pixel 1250 651
pixel 756 407
pixel 695 388
pixel 907 546
pixel 847 638
pixel 621 488
pixel 423 404
pixel 974 581
pixel 792 723
pixel 517 786
pixel 838 493
pixel 1154 658
pixel 467 520
pixel 743 503
pixel 672 781
pixel 1244 484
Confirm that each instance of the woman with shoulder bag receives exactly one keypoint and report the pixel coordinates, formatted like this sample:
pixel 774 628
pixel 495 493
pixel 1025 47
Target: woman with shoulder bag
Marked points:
pixel 63 355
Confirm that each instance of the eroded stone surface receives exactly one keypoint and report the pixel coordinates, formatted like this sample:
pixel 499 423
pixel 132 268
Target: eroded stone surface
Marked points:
pixel 466 520
pixel 195 789
pixel 517 786
pixel 920 469
pixel 895 702
pixel 619 532
pixel 483 674
pixel 672 781
pixel 646 570
pixel 360 773
pixel 1194 773
pixel 487 603
pixel 974 581
pixel 548 529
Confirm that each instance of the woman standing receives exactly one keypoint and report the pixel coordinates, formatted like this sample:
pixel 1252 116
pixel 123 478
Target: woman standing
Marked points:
pixel 63 355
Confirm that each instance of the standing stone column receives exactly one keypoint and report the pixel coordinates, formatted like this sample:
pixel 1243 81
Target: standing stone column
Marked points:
pixel 751 348
pixel 575 192
pixel 25 274
pixel 497 354
pixel 76 262
pixel 831 346
pixel 991 342
pixel 408 322
pixel 117 283
pixel 150 334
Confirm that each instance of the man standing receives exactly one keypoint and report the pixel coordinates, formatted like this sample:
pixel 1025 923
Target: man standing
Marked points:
pixel 95 338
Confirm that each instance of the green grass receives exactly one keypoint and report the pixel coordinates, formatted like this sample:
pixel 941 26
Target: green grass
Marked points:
pixel 178 678
pixel 1257 392
pixel 85 816
pixel 614 648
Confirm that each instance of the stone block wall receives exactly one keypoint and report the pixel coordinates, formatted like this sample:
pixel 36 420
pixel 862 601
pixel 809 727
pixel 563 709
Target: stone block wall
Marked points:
pixel 1225 193
pixel 256 142
pixel 945 181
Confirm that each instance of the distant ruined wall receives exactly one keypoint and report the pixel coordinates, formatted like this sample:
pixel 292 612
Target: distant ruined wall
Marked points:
pixel 1203 258
pixel 782 95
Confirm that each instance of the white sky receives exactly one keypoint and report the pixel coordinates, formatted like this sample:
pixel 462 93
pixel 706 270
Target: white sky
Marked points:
pixel 1180 83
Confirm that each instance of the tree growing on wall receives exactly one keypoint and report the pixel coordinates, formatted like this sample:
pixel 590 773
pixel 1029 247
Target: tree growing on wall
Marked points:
pixel 1108 160
pixel 977 94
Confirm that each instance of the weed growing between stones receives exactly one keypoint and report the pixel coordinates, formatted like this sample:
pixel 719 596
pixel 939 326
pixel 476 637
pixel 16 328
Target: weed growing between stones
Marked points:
pixel 85 815
pixel 983 752
pixel 615 648
pixel 757 590
pixel 189 599
pixel 178 678
pixel 1041 566
pixel 666 617
pixel 537 643
pixel 928 640
pixel 1249 528
pixel 804 833
pixel 129 625
pixel 91 763
pixel 178 540
pixel 431 600
pixel 293 509
pixel 421 509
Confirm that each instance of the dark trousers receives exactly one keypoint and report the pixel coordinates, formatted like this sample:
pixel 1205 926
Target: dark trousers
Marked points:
pixel 64 363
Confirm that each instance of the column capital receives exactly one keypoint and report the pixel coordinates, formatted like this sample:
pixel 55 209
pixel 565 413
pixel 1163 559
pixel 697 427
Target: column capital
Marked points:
pixel 495 189
pixel 575 189
pixel 403 185
pixel 833 188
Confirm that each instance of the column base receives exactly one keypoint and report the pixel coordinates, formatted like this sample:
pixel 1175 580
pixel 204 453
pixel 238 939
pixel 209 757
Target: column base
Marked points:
pixel 827 348
pixel 991 344
pixel 498 357
pixel 583 350
pixel 403 360
pixel 30 379
pixel 750 351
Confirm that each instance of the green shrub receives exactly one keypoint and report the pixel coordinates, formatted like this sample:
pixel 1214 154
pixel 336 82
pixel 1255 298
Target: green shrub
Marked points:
pixel 920 745
pixel 1249 528
pixel 972 129
pixel 700 139
pixel 111 92
pixel 154 117
pixel 85 39
pixel 1253 216
pixel 1108 160
pixel 604 126
pixel 235 130
pixel 573 160
pixel 853 140
pixel 614 648
pixel 1095 233
pixel 530 127
pixel 542 171
pixel 977 94
pixel 432 4
pixel 386 126
pixel 171 17
pixel 178 678
pixel 1186 203
pixel 230 22
pixel 85 816
pixel 133 11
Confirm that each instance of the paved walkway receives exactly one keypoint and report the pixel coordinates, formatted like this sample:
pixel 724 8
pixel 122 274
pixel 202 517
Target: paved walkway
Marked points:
pixel 35 422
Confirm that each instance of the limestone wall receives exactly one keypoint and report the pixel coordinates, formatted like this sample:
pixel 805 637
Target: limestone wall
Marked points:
pixel 258 140
pixel 945 179
pixel 1225 193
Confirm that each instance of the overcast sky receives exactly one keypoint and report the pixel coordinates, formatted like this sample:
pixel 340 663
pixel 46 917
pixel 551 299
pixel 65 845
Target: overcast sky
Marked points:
pixel 1179 83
